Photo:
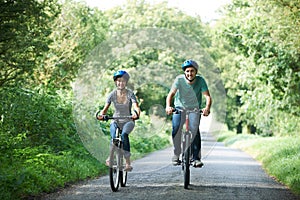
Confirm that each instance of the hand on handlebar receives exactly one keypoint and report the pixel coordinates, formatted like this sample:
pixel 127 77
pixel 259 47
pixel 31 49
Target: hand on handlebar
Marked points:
pixel 135 115
pixel 101 117
pixel 169 110
pixel 205 112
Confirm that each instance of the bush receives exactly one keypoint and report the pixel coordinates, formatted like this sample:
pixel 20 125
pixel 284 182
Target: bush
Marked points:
pixel 40 150
pixel 279 155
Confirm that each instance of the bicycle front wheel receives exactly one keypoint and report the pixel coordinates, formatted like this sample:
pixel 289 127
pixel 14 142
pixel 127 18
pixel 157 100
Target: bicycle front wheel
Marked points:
pixel 114 169
pixel 186 162
pixel 123 173
pixel 186 169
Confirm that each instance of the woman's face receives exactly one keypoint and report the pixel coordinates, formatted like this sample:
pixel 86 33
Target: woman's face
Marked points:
pixel 190 73
pixel 121 83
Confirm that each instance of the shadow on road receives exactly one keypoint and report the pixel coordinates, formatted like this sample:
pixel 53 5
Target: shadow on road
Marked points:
pixel 227 174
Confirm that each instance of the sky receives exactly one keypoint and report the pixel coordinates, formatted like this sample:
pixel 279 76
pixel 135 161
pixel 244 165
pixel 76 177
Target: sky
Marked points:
pixel 206 9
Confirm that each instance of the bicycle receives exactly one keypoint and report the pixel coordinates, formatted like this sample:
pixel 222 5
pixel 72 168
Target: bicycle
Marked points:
pixel 117 172
pixel 186 156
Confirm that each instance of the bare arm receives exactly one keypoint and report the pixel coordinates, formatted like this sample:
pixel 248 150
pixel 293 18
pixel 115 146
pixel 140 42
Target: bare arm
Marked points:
pixel 208 98
pixel 169 108
pixel 103 111
pixel 137 109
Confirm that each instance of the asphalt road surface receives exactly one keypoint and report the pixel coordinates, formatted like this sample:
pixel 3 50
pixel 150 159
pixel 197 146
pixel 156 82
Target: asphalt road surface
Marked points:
pixel 227 174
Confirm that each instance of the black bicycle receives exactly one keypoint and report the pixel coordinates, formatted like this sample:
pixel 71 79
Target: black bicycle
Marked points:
pixel 186 156
pixel 117 172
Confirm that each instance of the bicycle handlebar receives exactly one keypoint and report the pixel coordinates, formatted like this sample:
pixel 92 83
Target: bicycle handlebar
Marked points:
pixel 106 117
pixel 177 110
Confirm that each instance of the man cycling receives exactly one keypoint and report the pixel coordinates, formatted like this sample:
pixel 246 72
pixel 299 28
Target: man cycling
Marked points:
pixel 188 89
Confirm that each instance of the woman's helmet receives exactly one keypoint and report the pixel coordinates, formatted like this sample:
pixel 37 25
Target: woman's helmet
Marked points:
pixel 121 73
pixel 189 63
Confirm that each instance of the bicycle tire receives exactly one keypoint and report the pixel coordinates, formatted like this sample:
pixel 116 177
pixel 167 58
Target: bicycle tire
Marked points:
pixel 186 163
pixel 114 169
pixel 123 178
pixel 123 173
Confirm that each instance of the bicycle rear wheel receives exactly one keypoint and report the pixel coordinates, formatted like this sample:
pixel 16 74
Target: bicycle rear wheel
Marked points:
pixel 114 169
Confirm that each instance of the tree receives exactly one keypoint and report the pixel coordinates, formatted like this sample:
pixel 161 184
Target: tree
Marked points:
pixel 75 32
pixel 24 32
pixel 138 15
pixel 267 57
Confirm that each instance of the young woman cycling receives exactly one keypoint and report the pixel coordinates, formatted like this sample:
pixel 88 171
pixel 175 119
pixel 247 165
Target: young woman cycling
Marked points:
pixel 123 100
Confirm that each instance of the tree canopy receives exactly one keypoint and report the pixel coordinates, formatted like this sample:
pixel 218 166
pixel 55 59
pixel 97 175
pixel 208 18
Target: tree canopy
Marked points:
pixel 24 37
pixel 261 63
pixel 57 60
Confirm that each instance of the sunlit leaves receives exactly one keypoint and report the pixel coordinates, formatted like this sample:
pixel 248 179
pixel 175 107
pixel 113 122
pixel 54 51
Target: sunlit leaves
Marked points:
pixel 267 44
pixel 75 32
pixel 24 37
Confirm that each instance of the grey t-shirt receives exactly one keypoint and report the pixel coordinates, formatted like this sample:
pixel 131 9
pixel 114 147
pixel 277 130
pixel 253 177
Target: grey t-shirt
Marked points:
pixel 120 108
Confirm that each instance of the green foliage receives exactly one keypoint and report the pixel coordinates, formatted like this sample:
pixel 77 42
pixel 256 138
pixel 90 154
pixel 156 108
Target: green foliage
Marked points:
pixel 47 43
pixel 40 118
pixel 261 63
pixel 38 170
pixel 75 32
pixel 284 162
pixel 24 32
pixel 152 94
pixel 151 66
pixel 256 49
pixel 136 14
pixel 39 144
pixel 147 138
pixel 280 155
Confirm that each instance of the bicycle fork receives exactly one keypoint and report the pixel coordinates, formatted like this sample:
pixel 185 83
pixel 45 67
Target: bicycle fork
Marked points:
pixel 116 146
pixel 186 141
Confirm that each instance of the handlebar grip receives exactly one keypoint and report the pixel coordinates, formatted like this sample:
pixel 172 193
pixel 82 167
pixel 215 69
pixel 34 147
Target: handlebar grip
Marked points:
pixel 105 118
pixel 175 110
pixel 137 114
pixel 97 113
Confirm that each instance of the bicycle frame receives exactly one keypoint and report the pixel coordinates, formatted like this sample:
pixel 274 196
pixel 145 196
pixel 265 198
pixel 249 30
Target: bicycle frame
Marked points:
pixel 186 146
pixel 117 174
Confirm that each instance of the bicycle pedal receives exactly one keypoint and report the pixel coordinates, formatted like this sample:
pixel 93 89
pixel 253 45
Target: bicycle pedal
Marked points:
pixel 199 166
pixel 115 142
pixel 176 163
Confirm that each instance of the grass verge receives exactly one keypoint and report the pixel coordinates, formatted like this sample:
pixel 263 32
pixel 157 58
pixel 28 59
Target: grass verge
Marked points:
pixel 280 156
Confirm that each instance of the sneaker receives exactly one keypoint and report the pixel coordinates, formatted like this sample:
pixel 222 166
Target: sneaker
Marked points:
pixel 197 163
pixel 175 160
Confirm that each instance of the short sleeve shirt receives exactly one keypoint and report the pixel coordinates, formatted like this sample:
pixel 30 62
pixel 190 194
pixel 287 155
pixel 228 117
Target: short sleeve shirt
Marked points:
pixel 120 108
pixel 189 96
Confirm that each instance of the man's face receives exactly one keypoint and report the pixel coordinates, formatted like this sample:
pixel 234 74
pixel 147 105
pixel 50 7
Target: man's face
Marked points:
pixel 190 73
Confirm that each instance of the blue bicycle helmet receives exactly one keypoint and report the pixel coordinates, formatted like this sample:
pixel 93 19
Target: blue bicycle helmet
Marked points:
pixel 121 73
pixel 189 63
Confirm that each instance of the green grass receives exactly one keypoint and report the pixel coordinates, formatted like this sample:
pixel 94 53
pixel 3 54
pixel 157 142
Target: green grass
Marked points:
pixel 30 172
pixel 45 172
pixel 280 156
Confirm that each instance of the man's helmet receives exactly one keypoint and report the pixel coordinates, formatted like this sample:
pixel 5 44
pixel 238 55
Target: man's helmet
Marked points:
pixel 121 73
pixel 189 63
